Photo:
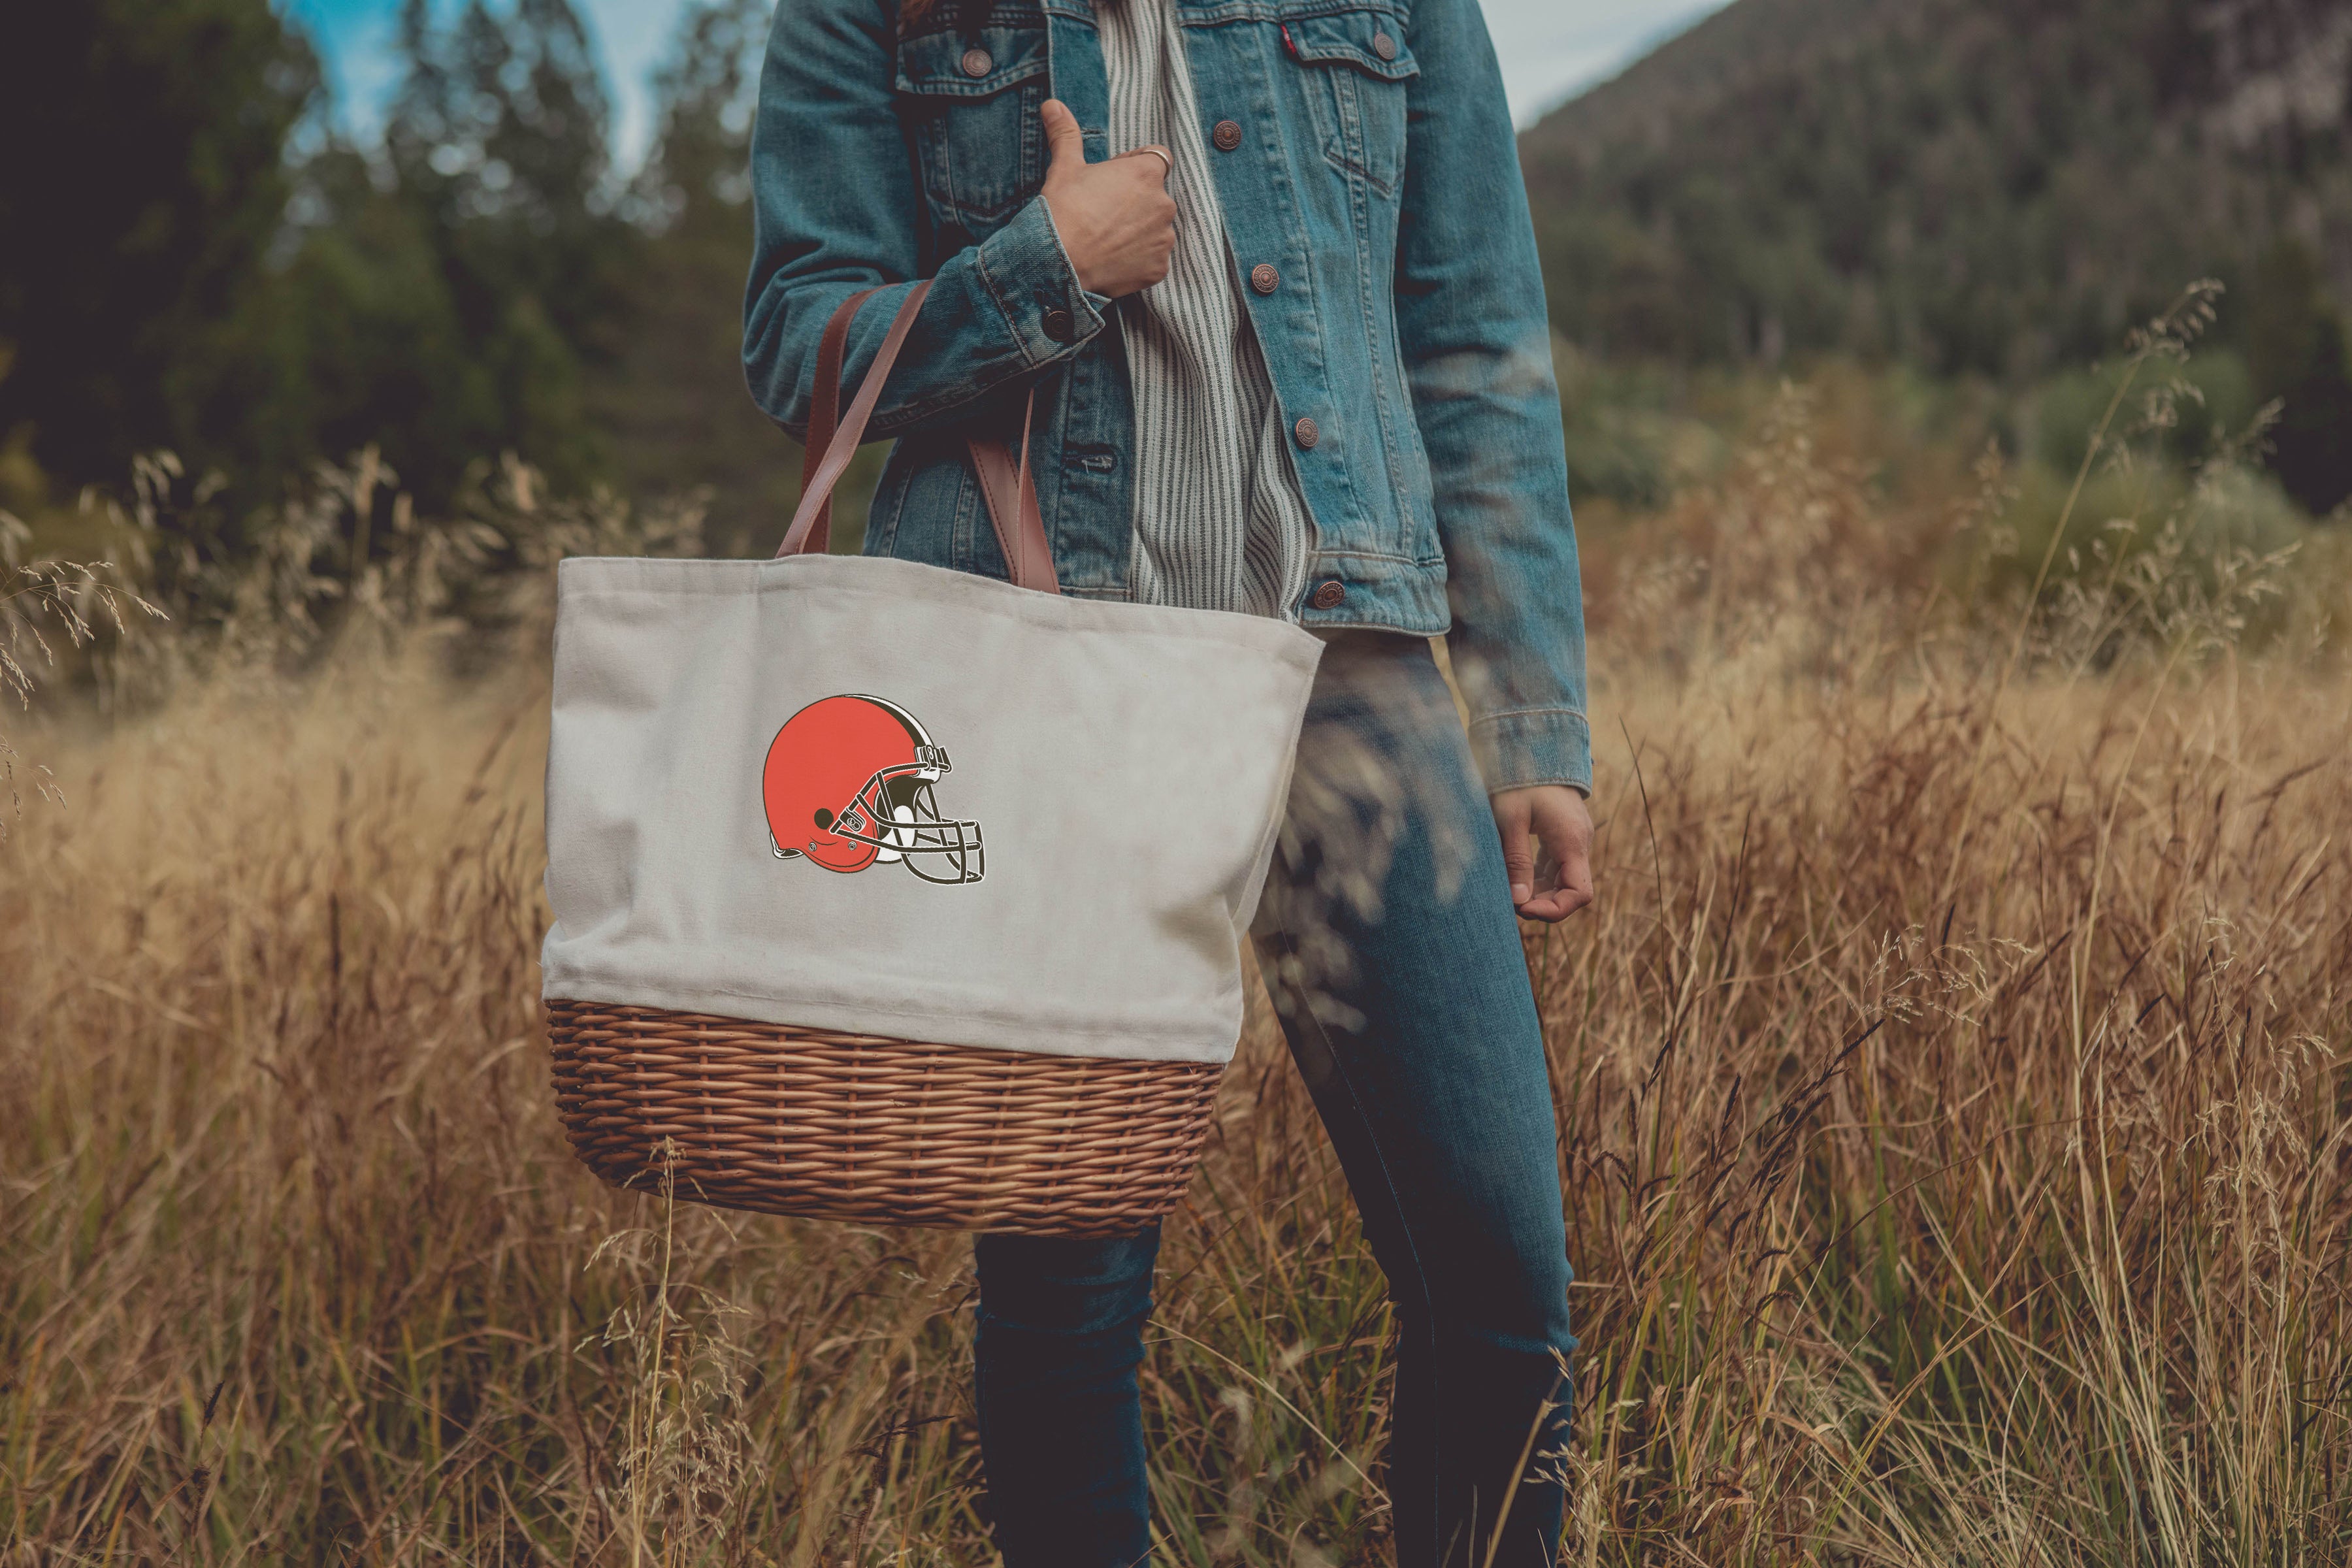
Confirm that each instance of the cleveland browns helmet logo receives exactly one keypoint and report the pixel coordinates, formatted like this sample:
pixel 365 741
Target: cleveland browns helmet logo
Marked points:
pixel 848 785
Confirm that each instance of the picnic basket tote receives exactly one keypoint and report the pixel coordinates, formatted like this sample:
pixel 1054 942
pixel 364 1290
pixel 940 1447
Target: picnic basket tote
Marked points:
pixel 897 895
pixel 853 1127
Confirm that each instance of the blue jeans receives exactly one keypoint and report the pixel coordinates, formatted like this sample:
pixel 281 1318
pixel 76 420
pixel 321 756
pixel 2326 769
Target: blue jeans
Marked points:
pixel 1387 939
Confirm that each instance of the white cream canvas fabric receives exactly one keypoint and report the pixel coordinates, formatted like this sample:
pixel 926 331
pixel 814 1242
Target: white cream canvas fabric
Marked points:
pixel 1058 847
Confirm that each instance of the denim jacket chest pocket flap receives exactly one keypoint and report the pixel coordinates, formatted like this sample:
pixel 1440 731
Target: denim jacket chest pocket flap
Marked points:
pixel 971 104
pixel 1357 67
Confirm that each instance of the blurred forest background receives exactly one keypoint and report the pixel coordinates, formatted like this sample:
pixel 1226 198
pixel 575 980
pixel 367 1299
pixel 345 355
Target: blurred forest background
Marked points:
pixel 1945 212
pixel 1971 200
pixel 199 261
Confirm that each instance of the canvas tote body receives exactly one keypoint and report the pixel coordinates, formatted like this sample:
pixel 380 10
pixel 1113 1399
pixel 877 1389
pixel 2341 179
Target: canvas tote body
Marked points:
pixel 871 795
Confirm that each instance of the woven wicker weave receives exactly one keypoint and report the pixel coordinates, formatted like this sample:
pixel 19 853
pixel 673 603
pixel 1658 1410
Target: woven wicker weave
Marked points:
pixel 853 1127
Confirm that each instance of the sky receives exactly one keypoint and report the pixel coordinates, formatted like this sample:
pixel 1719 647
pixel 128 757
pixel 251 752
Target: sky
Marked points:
pixel 1550 48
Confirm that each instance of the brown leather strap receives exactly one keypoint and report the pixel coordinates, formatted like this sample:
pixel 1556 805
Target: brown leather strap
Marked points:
pixel 1011 492
pixel 1007 486
pixel 816 491
pixel 825 409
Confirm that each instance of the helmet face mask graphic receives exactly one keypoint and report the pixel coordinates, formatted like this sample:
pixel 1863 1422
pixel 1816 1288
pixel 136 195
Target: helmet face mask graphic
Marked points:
pixel 850 783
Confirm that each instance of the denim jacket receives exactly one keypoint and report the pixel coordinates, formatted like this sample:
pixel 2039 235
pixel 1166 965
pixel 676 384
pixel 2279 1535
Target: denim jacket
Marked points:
pixel 1369 182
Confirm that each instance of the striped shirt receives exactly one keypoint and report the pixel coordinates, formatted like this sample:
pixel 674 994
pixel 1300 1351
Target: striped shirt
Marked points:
pixel 1219 521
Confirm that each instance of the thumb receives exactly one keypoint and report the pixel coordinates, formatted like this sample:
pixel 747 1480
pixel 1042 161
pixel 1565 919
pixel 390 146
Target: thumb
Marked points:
pixel 1511 816
pixel 1065 143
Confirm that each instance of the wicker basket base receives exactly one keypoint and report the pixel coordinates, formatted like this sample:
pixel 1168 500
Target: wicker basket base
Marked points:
pixel 855 1127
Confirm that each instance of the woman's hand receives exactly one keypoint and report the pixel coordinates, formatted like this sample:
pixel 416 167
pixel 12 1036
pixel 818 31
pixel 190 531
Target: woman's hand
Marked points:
pixel 1557 816
pixel 1116 220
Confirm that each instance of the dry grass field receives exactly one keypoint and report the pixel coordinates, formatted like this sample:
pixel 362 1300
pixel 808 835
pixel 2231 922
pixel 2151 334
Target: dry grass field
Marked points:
pixel 1953 1086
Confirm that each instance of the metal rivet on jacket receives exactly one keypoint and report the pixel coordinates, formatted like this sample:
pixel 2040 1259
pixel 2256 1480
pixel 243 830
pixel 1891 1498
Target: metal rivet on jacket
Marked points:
pixel 978 63
pixel 1308 432
pixel 1227 135
pixel 1264 279
pixel 1330 596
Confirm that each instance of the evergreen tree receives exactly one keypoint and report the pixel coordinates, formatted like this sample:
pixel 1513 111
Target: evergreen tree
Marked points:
pixel 144 184
pixel 1996 187
pixel 371 336
pixel 674 399
pixel 498 146
pixel 2297 353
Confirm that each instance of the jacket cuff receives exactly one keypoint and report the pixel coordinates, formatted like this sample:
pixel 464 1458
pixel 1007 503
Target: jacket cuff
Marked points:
pixel 1046 311
pixel 1533 746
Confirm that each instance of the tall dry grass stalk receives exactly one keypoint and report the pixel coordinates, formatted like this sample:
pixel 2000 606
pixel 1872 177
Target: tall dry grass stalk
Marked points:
pixel 1951 1080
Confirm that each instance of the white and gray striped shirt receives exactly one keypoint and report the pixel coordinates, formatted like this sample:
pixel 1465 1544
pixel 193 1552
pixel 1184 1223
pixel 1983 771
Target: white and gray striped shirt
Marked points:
pixel 1220 522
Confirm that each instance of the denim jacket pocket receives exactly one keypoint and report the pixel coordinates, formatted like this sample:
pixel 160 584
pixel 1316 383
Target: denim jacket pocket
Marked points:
pixel 1357 67
pixel 971 102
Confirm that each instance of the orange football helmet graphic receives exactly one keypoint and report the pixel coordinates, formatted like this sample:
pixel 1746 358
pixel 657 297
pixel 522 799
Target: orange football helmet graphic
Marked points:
pixel 848 785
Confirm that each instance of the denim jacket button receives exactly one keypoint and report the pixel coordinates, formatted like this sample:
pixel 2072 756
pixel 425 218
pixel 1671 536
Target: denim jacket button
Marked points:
pixel 1383 46
pixel 1264 279
pixel 978 62
pixel 1308 432
pixel 1227 135
pixel 1330 596
pixel 1059 325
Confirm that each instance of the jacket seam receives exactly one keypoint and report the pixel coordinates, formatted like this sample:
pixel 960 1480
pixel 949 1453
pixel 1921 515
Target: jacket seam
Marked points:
pixel 1003 308
pixel 1576 714
pixel 919 413
pixel 1582 787
pixel 1394 628
pixel 1386 556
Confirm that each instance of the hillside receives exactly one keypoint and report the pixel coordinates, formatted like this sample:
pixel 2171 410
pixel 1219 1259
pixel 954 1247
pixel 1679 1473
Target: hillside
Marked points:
pixel 1996 186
